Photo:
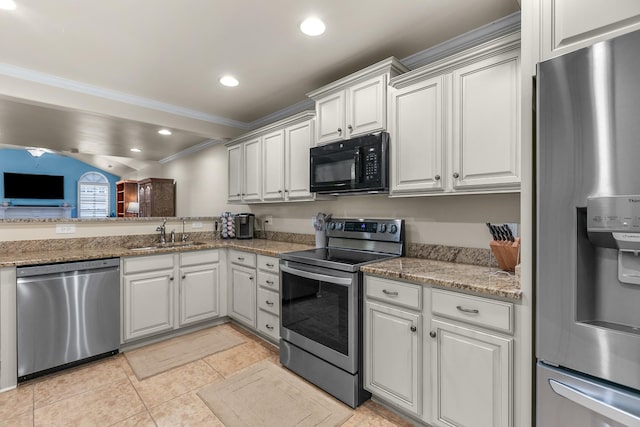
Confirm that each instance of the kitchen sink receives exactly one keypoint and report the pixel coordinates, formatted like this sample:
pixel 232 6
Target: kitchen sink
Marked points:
pixel 165 246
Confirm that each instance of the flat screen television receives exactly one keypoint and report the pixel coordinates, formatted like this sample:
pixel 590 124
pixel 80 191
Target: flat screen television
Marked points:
pixel 32 186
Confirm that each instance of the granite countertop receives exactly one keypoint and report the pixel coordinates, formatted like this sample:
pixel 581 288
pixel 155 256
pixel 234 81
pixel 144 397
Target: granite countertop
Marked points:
pixel 466 277
pixel 259 246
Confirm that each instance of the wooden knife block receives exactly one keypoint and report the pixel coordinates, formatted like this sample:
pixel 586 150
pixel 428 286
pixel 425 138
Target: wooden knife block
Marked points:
pixel 507 253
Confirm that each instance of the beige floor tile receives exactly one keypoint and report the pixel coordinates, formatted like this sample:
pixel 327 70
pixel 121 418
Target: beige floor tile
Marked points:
pixel 168 385
pixel 235 359
pixel 104 406
pixel 24 420
pixel 186 410
pixel 142 419
pixel 16 402
pixel 77 381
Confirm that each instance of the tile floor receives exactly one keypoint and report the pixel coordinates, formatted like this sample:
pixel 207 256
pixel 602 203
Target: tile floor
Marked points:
pixel 107 393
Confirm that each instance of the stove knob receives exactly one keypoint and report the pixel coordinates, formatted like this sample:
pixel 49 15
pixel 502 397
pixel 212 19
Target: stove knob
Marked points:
pixel 383 228
pixel 339 226
pixel 393 229
pixel 332 226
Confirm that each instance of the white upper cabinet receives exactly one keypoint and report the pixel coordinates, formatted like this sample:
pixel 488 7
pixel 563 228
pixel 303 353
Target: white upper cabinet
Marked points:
pixel 271 164
pixel 235 171
pixel 417 131
pixel 486 123
pixel 252 153
pixel 569 25
pixel 298 141
pixel 355 105
pixel 455 124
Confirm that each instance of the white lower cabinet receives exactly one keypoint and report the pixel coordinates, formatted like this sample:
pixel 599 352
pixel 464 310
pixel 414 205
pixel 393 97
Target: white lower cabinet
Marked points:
pixel 242 294
pixel 168 291
pixel 443 357
pixel 393 353
pixel 393 342
pixel 471 377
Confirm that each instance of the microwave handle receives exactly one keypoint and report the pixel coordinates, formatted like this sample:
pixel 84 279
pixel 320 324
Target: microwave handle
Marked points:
pixel 358 165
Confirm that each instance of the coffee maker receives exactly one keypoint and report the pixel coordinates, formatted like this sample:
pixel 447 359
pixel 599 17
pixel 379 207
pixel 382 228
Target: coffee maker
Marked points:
pixel 244 225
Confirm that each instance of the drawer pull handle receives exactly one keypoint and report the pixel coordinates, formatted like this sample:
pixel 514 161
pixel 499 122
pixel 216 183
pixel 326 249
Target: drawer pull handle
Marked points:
pixel 467 310
pixel 269 302
pixel 240 258
pixel 269 265
pixel 269 327
pixel 250 277
pixel 269 282
pixel 413 328
pixel 390 293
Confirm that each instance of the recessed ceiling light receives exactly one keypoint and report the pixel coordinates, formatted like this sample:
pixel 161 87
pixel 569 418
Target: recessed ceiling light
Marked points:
pixel 135 150
pixel 312 27
pixel 164 132
pixel 229 81
pixel 7 4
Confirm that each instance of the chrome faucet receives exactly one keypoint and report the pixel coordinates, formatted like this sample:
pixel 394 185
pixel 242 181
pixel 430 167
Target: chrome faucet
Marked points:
pixel 163 231
pixel 184 236
pixel 173 236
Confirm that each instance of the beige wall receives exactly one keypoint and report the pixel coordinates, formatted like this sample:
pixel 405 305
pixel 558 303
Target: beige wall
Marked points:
pixel 201 189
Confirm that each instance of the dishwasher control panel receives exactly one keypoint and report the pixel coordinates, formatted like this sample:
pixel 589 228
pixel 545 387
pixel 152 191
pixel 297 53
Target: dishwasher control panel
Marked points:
pixel 40 270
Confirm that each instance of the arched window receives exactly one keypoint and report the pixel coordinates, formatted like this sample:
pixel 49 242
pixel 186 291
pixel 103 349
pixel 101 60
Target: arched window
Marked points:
pixel 93 196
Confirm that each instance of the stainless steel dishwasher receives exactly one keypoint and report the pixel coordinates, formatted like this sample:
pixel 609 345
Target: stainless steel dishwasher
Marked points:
pixel 68 313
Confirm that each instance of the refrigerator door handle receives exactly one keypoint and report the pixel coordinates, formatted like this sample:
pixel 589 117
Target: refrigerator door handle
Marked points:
pixel 595 405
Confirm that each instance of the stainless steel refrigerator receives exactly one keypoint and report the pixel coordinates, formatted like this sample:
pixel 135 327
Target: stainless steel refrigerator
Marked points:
pixel 588 237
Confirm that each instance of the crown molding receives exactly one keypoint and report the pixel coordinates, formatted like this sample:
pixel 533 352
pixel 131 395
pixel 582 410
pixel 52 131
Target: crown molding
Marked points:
pixel 305 104
pixel 100 92
pixel 193 149
pixel 478 36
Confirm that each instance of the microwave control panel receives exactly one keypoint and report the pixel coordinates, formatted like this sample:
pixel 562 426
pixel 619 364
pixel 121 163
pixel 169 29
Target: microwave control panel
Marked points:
pixel 371 163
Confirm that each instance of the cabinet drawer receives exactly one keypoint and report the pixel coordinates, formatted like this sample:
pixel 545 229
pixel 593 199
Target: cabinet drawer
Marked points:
pixel 242 258
pixel 269 301
pixel 147 263
pixel 267 263
pixel 480 311
pixel 199 257
pixel 269 324
pixel 398 293
pixel 268 280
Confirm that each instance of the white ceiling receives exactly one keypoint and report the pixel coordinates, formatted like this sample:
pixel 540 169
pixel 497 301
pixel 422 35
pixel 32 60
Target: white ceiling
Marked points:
pixel 172 53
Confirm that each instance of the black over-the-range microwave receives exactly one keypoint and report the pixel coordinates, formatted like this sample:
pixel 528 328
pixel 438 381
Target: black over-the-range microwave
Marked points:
pixel 357 165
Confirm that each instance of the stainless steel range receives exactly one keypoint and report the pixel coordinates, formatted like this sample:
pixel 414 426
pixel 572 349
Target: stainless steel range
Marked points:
pixel 321 303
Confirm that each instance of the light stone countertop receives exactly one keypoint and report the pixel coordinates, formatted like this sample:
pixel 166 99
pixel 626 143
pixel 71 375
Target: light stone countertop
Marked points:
pixel 465 277
pixel 258 246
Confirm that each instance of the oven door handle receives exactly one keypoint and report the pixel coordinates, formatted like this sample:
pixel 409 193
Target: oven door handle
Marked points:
pixel 316 276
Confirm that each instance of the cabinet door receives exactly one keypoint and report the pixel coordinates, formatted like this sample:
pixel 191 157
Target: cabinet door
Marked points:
pixel 330 118
pixel 392 355
pixel 252 175
pixel 235 171
pixel 273 166
pixel 298 141
pixel 199 293
pixel 417 138
pixel 486 123
pixel 568 25
pixel 242 295
pixel 148 304
pixel 472 377
pixel 366 107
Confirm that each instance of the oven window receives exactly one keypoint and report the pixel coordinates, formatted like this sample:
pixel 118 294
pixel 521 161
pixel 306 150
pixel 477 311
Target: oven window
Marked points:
pixel 316 310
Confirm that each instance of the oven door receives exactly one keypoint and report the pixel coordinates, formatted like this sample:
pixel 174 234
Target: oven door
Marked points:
pixel 319 312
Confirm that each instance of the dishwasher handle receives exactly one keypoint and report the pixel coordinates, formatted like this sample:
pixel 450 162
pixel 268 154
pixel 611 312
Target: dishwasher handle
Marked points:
pixel 66 267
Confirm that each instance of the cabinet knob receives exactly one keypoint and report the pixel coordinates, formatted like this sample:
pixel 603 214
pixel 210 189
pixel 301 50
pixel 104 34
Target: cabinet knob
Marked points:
pixel 437 177
pixel 279 191
pixel 432 334
pixel 413 328
pixel 184 276
pixel 456 175
pixel 171 278
pixel 250 277
pixel 350 128
pixel 238 194
pixel 339 131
